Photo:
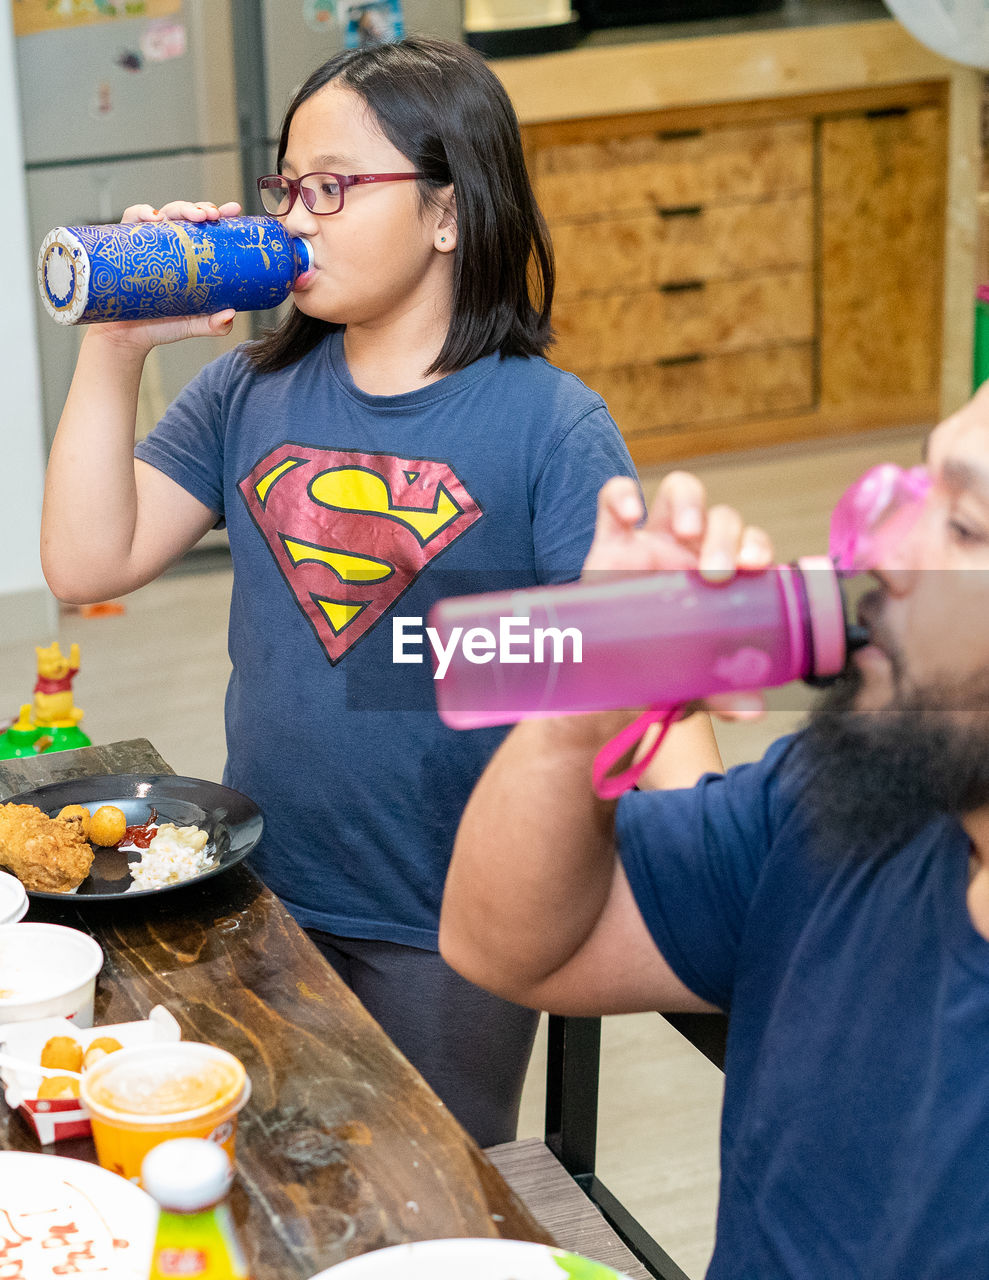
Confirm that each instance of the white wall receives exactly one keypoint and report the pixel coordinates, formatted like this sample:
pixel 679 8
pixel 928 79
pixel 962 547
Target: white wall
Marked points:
pixel 25 604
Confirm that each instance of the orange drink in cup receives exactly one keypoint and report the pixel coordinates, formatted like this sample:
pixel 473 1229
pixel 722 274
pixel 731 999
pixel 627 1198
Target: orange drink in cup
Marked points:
pixel 139 1097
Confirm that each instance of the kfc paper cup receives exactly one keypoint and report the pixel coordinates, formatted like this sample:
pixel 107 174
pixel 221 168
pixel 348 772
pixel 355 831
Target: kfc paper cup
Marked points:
pixel 139 1097
pixel 47 971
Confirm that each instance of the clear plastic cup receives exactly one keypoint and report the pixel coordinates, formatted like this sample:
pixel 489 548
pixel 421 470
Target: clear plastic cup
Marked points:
pixel 137 1098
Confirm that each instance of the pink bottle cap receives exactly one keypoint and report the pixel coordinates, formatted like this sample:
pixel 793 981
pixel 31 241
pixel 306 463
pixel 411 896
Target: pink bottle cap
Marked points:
pixel 827 614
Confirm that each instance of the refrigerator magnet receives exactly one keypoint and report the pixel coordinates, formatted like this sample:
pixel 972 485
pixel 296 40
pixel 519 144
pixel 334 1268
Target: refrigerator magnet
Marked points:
pixel 370 22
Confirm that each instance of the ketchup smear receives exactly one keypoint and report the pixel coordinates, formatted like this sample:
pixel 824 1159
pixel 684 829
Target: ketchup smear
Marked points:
pixel 141 835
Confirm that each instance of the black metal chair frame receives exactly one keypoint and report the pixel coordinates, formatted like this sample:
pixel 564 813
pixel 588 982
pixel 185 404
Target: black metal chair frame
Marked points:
pixel 572 1078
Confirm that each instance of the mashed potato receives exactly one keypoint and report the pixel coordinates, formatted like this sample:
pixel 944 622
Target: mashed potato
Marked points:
pixel 174 854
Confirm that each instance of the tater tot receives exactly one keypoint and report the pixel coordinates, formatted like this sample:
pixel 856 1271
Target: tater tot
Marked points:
pixel 57 1087
pixel 99 1048
pixel 63 1053
pixel 77 812
pixel 107 825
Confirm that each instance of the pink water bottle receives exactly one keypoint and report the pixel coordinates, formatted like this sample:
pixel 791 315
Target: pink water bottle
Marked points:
pixel 657 638
pixel 661 640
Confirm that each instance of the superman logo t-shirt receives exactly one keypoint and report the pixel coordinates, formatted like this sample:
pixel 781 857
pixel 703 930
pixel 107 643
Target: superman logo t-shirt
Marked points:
pixel 344 511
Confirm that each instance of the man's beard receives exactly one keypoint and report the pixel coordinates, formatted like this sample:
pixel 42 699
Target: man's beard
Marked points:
pixel 878 778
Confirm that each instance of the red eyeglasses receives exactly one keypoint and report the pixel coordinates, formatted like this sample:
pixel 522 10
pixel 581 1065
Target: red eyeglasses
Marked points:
pixel 322 193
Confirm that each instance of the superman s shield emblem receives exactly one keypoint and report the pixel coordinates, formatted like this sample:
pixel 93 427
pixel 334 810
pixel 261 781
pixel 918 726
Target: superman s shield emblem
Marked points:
pixel 352 531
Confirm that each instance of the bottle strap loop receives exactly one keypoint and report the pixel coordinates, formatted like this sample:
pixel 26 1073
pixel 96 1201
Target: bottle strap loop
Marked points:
pixel 610 787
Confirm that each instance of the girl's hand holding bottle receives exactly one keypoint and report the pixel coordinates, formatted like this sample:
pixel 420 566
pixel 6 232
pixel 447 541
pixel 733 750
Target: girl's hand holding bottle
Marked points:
pixel 146 334
pixel 91 467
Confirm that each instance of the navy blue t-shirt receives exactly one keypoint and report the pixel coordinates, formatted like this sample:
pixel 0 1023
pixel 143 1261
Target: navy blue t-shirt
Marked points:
pixel 344 511
pixel 855 1132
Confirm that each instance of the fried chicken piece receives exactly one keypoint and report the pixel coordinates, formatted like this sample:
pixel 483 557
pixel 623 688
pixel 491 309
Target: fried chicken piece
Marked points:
pixel 47 855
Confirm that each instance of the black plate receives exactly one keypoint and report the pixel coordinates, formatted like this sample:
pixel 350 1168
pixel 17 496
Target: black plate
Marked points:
pixel 232 822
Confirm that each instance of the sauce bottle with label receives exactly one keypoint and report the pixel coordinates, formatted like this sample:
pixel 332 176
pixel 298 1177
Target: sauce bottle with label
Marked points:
pixel 191 1179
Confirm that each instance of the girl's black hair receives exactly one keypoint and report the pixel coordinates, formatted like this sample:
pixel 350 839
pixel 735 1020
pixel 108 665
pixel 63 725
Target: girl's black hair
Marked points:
pixel 446 111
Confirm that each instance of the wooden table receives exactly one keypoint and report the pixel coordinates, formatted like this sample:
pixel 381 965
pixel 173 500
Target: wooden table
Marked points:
pixel 343 1147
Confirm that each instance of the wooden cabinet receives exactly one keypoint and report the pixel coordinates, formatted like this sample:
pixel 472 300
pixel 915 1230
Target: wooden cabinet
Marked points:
pixel 738 276
pixel 882 197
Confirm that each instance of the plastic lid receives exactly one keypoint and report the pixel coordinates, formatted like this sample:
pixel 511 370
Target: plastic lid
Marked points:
pixel 63 275
pixel 187 1174
pixel 179 1081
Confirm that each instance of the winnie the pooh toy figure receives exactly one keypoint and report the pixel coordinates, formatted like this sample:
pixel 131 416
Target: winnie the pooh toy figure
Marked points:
pixel 53 703
pixel 51 721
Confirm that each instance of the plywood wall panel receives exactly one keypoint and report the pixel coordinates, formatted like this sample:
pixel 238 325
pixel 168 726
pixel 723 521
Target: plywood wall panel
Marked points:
pixel 883 193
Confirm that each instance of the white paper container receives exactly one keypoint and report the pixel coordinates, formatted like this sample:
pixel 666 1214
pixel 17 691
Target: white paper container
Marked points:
pixel 55 1119
pixel 13 899
pixel 47 971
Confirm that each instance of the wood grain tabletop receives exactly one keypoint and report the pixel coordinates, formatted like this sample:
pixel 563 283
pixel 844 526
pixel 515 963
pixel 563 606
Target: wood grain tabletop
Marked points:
pixel 343 1147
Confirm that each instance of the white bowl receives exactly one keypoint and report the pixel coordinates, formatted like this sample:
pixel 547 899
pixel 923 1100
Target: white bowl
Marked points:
pixel 482 1259
pixel 13 899
pixel 47 971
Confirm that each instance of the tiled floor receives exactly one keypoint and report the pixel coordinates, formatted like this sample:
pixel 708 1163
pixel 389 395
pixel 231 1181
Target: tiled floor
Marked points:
pixel 159 669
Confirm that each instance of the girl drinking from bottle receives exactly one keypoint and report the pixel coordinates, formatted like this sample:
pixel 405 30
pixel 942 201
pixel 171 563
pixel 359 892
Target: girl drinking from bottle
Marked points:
pixel 397 438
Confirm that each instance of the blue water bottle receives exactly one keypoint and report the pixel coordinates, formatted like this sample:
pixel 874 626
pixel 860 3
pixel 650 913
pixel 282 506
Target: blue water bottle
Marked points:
pixel 144 270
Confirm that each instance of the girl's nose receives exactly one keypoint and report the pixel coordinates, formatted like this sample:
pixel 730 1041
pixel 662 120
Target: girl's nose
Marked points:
pixel 299 221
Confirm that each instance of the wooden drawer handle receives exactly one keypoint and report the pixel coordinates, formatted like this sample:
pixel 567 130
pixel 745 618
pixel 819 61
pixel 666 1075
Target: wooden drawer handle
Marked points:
pixel 879 112
pixel 674 135
pixel 680 211
pixel 666 361
pixel 682 286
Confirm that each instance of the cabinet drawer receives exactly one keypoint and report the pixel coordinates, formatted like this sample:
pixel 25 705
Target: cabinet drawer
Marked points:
pixel 688 243
pixel 599 332
pixel 662 171
pixel 687 393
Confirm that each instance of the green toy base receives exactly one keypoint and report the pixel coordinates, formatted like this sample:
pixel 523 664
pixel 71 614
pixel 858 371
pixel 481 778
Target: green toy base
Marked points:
pixel 65 739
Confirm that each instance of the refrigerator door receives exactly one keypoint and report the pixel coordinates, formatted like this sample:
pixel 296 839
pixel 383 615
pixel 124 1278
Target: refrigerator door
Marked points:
pixel 127 87
pixel 74 195
pixel 298 36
